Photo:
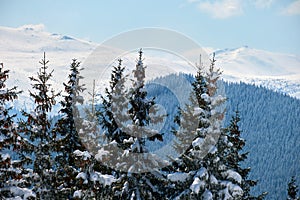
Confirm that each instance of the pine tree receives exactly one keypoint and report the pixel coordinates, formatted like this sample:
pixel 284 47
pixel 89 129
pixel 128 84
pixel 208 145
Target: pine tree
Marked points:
pixel 67 139
pixel 12 159
pixel 292 190
pixel 37 128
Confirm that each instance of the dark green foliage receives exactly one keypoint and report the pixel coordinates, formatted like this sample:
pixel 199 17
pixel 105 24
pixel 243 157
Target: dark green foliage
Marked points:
pixel 199 127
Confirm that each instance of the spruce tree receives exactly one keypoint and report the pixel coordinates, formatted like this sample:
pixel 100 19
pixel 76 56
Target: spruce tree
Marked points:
pixel 113 105
pixel 201 164
pixel 37 128
pixel 67 139
pixel 233 157
pixel 292 190
pixel 126 116
pixel 86 177
pixel 12 173
pixel 192 121
pixel 142 180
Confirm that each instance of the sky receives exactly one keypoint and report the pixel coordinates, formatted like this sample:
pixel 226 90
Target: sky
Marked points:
pixel 272 25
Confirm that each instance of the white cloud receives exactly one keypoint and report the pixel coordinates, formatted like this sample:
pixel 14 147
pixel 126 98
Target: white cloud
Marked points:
pixel 222 9
pixel 228 8
pixel 263 3
pixel 292 9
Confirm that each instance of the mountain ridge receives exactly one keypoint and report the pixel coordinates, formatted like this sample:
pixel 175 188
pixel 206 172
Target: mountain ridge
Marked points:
pixel 22 48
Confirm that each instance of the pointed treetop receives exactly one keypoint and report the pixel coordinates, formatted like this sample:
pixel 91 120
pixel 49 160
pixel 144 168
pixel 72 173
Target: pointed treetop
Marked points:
pixel 213 57
pixel 200 65
pixel 140 54
pixel 120 61
pixel 44 62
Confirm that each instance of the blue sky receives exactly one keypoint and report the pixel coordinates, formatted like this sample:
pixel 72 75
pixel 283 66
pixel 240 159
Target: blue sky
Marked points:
pixel 272 25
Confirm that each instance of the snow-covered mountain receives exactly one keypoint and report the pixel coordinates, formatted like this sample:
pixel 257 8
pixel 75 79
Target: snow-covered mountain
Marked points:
pixel 22 48
pixel 276 71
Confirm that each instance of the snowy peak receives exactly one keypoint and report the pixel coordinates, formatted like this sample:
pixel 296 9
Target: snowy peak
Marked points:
pixel 34 38
pixel 276 71
pixel 248 62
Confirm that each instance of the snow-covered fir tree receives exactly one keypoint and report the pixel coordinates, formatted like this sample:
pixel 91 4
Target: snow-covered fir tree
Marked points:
pixel 190 119
pixel 86 177
pixel 126 118
pixel 233 157
pixel 67 139
pixel 111 113
pixel 94 178
pixel 37 128
pixel 292 190
pixel 114 104
pixel 12 173
pixel 205 173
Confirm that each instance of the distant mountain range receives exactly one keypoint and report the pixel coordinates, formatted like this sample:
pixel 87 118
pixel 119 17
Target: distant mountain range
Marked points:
pixel 22 48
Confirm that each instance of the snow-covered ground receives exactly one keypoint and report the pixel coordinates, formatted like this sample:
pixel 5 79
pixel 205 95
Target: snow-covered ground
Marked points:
pixel 22 48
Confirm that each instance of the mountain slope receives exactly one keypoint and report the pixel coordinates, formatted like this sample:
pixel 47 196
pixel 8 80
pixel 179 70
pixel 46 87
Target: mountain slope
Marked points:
pixel 275 71
pixel 270 123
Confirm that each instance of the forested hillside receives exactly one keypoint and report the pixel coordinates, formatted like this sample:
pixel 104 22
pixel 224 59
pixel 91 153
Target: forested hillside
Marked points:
pixel 270 123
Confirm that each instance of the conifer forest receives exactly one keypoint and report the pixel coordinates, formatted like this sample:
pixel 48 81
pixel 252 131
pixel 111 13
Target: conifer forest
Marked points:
pixel 111 147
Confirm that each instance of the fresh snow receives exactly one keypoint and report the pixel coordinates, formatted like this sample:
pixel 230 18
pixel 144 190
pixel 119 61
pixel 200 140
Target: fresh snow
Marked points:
pixel 198 142
pixel 106 179
pixel 101 153
pixel 82 176
pixel 202 172
pixel 178 176
pixel 23 193
pixel 197 185
pixel 85 154
pixel 77 194
pixel 207 195
pixel 231 190
pixel 230 174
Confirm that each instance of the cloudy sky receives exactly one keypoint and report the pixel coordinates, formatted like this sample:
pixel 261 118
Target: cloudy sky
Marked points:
pixel 272 25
